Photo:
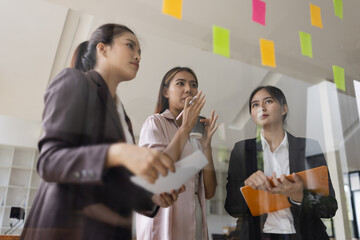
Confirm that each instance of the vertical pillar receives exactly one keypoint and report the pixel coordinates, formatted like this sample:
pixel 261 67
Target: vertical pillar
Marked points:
pixel 76 30
pixel 324 125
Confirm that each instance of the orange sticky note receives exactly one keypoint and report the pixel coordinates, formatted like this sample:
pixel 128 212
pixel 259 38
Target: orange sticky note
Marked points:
pixel 267 49
pixel 315 13
pixel 172 8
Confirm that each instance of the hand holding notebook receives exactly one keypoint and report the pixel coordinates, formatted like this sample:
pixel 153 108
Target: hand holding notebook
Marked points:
pixel 261 202
pixel 185 169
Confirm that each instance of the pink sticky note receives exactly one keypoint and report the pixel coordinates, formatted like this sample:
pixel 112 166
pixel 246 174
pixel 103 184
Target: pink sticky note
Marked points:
pixel 259 12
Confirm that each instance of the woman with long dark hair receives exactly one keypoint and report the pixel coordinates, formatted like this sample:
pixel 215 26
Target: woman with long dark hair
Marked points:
pixel 274 154
pixel 87 151
pixel 163 131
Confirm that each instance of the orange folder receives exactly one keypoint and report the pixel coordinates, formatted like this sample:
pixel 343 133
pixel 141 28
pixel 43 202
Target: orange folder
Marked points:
pixel 260 202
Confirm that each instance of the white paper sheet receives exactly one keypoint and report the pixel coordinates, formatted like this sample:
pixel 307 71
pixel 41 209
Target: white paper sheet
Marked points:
pixel 185 169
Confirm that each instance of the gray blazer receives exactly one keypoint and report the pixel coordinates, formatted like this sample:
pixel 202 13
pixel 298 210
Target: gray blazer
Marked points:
pixel 80 122
pixel 243 163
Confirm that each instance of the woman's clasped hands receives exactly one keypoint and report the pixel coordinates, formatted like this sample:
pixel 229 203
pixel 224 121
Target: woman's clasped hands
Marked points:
pixel 292 189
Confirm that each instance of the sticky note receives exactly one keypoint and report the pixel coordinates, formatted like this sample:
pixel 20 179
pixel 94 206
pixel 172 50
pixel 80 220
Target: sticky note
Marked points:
pixel 315 14
pixel 306 46
pixel 338 8
pixel 259 11
pixel 339 77
pixel 172 8
pixel 267 50
pixel 221 41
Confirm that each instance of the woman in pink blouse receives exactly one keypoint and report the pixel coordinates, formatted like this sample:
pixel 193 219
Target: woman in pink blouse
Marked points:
pixel 186 218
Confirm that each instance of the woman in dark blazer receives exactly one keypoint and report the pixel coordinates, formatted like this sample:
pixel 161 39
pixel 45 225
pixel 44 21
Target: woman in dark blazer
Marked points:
pixel 272 155
pixel 87 151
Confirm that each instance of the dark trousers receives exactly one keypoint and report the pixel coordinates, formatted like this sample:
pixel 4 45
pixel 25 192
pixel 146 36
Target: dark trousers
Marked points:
pixel 274 236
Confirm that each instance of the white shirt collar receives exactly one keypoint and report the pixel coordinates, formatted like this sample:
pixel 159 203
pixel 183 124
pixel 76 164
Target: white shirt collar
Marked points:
pixel 265 144
pixel 121 112
pixel 168 114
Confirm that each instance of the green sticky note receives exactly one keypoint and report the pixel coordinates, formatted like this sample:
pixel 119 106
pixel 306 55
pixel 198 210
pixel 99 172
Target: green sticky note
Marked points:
pixel 338 8
pixel 306 46
pixel 339 77
pixel 221 41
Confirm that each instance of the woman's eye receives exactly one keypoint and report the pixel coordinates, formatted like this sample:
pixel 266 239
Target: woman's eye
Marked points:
pixel 194 85
pixel 180 84
pixel 268 101
pixel 130 45
pixel 255 105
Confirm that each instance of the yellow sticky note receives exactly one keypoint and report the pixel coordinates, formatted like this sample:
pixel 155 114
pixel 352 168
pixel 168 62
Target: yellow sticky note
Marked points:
pixel 221 41
pixel 315 13
pixel 267 49
pixel 172 8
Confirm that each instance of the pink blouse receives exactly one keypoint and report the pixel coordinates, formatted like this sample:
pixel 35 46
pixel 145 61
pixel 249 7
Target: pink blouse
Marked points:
pixel 176 222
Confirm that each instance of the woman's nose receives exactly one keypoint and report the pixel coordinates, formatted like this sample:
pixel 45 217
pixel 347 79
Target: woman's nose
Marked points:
pixel 262 107
pixel 187 88
pixel 137 57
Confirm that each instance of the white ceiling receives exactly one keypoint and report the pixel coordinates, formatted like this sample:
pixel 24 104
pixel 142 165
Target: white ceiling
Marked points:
pixel 40 38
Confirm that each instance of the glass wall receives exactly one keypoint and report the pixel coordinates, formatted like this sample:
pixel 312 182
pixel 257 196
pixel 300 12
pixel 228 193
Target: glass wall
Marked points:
pixel 38 43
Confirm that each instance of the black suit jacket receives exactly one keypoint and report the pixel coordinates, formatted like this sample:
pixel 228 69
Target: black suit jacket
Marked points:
pixel 243 163
pixel 80 122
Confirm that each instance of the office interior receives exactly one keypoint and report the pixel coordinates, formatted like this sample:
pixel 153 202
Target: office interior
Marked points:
pixel 38 38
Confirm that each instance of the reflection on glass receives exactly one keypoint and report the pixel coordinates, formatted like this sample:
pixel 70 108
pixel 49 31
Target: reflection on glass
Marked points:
pixel 263 164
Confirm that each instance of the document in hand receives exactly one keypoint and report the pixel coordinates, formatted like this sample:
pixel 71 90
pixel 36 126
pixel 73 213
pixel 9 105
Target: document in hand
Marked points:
pixel 184 170
pixel 261 202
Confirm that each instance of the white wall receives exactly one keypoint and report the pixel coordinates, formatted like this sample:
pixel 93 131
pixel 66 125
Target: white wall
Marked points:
pixel 19 132
pixel 30 33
